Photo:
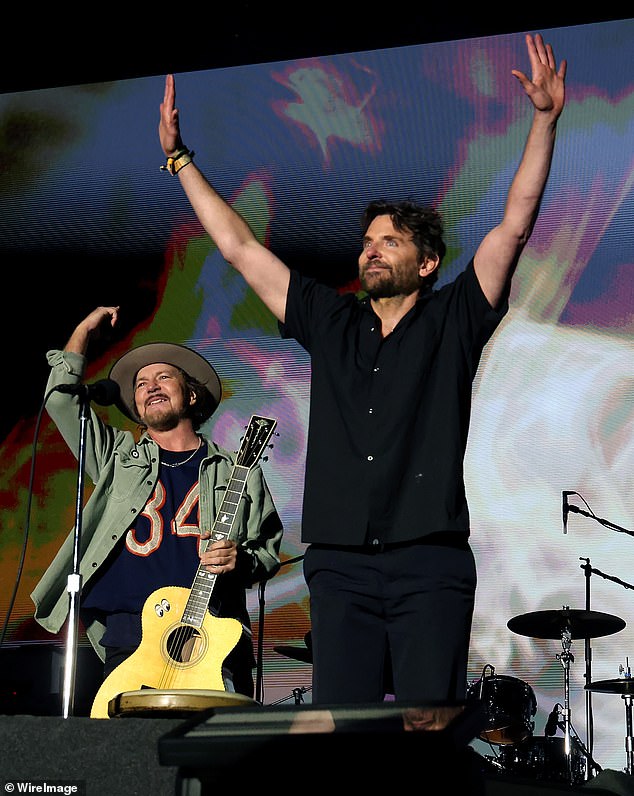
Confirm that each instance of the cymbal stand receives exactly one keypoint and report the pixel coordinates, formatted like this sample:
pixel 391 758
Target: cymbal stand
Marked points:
pixel 629 740
pixel 629 751
pixel 588 659
pixel 297 695
pixel 565 658
pixel 591 764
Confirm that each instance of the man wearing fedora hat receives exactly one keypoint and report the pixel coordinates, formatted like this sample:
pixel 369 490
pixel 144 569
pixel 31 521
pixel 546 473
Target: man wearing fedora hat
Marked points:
pixel 155 496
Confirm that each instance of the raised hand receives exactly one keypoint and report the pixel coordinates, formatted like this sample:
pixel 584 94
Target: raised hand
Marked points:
pixel 546 88
pixel 169 129
pixel 92 327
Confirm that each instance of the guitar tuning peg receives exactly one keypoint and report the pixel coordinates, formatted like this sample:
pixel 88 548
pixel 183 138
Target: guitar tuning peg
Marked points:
pixel 265 458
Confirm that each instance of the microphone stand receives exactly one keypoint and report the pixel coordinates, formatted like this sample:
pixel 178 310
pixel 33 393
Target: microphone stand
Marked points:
pixel 74 579
pixel 570 507
pixel 258 672
pixel 259 676
pixel 576 510
pixel 589 571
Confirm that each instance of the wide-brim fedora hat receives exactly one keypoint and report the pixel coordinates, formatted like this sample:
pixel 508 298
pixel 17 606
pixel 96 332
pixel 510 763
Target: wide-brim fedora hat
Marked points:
pixel 124 371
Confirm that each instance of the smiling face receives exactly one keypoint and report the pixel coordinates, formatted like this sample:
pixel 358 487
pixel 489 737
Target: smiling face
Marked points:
pixel 161 396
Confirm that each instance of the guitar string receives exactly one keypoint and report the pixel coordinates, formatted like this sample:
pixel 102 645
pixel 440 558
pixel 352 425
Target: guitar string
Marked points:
pixel 170 670
pixel 183 634
pixel 189 633
pixel 183 630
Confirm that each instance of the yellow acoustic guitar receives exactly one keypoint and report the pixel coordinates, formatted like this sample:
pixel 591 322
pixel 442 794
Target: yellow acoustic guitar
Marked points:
pixel 182 645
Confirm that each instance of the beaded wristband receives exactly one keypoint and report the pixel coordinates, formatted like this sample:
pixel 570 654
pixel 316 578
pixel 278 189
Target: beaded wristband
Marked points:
pixel 178 161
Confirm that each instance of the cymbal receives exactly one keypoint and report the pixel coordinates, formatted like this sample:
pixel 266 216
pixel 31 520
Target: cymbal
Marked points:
pixel 551 624
pixel 304 654
pixel 620 685
pixel 296 653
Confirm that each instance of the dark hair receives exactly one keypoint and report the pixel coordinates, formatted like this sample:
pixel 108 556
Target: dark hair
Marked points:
pixel 423 221
pixel 204 406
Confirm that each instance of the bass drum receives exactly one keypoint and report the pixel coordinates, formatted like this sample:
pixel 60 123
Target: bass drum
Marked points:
pixel 544 758
pixel 509 705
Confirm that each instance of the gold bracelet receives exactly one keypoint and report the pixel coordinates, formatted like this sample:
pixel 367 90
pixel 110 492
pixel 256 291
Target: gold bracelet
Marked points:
pixel 178 161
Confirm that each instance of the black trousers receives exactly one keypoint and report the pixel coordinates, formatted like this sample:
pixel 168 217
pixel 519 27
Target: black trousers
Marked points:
pixel 411 605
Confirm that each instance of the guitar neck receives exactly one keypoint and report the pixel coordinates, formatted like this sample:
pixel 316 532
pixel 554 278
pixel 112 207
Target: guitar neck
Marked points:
pixel 204 581
pixel 255 440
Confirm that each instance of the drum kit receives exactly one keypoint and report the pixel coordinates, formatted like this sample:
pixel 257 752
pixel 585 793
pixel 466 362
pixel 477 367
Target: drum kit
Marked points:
pixel 510 704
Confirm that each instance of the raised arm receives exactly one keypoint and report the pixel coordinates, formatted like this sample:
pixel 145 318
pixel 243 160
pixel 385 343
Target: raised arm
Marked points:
pixel 498 254
pixel 262 270
pixel 92 324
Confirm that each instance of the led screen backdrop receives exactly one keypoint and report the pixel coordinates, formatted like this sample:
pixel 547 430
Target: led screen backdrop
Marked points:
pixel 299 147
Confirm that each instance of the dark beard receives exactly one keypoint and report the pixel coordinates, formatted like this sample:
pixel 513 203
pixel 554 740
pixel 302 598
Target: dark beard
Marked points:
pixel 389 286
pixel 380 290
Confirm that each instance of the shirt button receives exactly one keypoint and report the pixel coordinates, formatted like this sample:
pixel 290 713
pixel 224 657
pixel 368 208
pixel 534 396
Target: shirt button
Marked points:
pixel 135 454
pixel 370 411
pixel 375 370
pixel 370 458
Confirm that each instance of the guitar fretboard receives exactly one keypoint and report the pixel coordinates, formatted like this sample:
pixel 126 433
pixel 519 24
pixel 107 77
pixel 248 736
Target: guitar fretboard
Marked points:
pixel 204 581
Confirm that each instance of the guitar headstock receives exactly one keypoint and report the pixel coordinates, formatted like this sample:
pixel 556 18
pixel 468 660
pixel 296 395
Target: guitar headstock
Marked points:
pixel 255 440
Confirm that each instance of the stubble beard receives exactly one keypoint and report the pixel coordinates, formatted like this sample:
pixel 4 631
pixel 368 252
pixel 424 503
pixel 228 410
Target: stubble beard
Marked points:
pixel 163 421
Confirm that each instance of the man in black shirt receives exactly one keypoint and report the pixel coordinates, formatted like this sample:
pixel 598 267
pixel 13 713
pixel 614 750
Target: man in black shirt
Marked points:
pixel 389 569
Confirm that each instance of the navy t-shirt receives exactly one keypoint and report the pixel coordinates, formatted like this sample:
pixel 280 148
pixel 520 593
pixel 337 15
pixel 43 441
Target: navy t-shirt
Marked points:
pixel 160 549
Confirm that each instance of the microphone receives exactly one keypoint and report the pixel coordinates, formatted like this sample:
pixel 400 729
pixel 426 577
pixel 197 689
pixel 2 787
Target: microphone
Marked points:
pixel 565 508
pixel 103 392
pixel 551 722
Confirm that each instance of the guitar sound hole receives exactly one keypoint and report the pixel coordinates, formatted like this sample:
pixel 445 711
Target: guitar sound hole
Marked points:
pixel 183 644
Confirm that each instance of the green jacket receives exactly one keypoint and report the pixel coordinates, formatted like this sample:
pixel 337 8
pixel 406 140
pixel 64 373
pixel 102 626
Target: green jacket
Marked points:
pixel 124 473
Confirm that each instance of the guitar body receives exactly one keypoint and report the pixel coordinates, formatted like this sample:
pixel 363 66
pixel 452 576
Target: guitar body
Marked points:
pixel 172 654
